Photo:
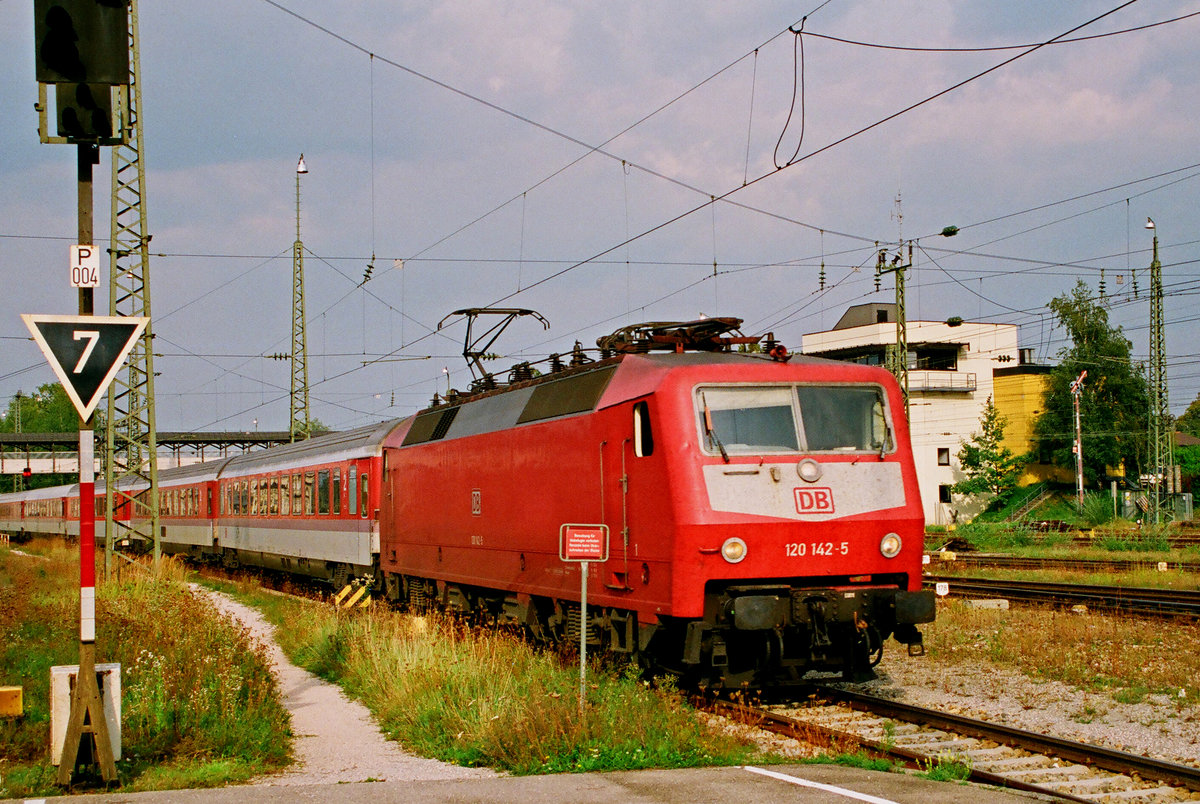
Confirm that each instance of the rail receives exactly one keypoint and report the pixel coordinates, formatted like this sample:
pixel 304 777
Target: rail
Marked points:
pixel 1127 600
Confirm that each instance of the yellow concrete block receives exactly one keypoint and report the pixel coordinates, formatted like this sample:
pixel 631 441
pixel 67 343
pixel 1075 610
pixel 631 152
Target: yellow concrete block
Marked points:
pixel 12 702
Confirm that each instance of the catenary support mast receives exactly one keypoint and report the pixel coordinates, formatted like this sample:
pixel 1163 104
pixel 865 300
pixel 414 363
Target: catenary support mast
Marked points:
pixel 131 433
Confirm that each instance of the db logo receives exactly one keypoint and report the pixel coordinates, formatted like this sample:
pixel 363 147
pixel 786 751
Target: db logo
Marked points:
pixel 814 501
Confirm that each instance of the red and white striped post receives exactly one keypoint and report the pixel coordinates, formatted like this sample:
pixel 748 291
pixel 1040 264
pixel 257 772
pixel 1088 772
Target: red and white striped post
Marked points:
pixel 87 537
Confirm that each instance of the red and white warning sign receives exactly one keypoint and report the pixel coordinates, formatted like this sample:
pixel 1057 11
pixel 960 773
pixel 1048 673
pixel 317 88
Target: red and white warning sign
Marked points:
pixel 583 543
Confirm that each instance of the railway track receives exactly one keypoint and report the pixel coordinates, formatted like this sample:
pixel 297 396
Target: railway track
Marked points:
pixel 991 561
pixel 1127 600
pixel 994 754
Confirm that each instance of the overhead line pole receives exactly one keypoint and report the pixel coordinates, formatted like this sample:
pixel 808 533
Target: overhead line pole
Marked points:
pixel 1161 437
pixel 300 425
pixel 131 432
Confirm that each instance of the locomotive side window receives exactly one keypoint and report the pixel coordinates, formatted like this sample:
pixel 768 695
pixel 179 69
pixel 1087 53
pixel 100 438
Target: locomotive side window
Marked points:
pixel 643 437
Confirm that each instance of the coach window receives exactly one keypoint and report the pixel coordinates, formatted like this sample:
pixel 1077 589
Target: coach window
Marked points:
pixel 643 437
pixel 275 496
pixel 245 484
pixel 337 492
pixel 285 495
pixel 309 478
pixel 362 494
pixel 323 491
pixel 297 495
pixel 352 492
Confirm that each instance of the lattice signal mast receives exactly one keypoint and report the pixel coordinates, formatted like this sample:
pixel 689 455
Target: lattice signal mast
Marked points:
pixel 300 426
pixel 132 442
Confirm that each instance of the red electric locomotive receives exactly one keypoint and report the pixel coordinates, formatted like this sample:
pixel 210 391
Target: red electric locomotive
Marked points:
pixel 764 511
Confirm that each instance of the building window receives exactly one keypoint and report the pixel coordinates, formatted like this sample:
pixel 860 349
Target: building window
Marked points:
pixel 943 456
pixel 944 493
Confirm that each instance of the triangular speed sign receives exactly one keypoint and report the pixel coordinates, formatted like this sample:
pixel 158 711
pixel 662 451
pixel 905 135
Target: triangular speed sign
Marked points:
pixel 85 351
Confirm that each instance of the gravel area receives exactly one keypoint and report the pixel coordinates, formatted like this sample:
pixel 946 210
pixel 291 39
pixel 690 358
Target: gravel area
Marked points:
pixel 1157 727
pixel 335 738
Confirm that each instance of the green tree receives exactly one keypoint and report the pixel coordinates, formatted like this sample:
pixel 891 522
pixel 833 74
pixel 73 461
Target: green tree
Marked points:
pixel 1189 422
pixel 990 467
pixel 1114 400
pixel 1188 460
pixel 46 410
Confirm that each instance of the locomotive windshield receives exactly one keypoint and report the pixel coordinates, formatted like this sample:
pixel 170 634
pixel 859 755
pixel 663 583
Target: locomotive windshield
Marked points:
pixel 741 420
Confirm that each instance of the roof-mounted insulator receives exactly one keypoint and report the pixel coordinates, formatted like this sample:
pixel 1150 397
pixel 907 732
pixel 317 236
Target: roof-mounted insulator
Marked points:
pixel 578 358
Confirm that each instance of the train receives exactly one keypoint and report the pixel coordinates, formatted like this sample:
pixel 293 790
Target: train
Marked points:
pixel 760 508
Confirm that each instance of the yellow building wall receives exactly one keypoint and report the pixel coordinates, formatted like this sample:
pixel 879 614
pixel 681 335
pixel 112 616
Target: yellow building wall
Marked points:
pixel 1019 398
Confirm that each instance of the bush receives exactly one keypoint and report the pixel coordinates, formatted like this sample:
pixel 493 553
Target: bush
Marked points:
pixel 1097 509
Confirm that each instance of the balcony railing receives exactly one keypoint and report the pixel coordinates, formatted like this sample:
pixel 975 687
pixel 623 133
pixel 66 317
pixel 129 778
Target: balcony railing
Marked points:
pixel 942 381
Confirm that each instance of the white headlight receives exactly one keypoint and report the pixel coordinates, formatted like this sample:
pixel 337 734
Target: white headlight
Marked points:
pixel 890 545
pixel 733 550
pixel 809 470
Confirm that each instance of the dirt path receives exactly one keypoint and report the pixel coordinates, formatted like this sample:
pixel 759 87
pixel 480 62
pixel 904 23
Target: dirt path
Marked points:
pixel 336 739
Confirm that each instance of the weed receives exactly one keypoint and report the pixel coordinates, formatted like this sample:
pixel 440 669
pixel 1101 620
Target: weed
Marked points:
pixel 199 704
pixel 479 697
pixel 1096 652
pixel 946 767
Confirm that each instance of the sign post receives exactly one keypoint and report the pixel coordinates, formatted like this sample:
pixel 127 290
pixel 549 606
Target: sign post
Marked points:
pixel 81 48
pixel 584 544
pixel 86 352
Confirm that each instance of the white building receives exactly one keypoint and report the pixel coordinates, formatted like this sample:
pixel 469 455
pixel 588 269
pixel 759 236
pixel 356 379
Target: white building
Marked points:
pixel 950 377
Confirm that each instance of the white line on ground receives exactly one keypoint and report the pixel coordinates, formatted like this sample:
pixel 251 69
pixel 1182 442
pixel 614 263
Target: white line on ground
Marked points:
pixel 828 788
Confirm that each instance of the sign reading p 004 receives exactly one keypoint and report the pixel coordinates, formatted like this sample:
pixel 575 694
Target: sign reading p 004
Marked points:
pixel 85 266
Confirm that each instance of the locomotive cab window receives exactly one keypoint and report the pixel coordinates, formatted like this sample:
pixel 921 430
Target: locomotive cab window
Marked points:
pixel 750 420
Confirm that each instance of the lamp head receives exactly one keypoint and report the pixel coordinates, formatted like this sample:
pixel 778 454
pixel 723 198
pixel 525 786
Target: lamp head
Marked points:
pixel 301 167
pixel 1149 223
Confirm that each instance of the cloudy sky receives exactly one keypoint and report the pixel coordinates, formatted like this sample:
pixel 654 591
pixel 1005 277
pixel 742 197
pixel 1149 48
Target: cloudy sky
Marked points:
pixel 565 157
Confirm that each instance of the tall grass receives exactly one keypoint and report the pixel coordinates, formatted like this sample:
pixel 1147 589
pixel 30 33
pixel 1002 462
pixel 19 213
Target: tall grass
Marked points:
pixel 478 697
pixel 199 703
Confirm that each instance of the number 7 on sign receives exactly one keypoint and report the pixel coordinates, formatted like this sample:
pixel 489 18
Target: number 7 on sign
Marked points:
pixel 92 337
